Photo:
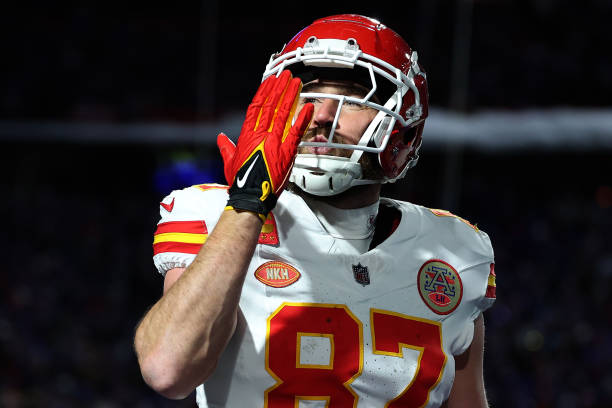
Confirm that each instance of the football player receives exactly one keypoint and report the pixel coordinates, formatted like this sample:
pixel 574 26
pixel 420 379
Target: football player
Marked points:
pixel 297 284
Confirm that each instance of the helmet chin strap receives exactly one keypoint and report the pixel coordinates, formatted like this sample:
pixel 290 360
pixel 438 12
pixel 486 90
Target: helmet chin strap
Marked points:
pixel 323 175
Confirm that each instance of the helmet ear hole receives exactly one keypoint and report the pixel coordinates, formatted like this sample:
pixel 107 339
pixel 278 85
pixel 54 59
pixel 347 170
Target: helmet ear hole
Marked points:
pixel 400 151
pixel 409 135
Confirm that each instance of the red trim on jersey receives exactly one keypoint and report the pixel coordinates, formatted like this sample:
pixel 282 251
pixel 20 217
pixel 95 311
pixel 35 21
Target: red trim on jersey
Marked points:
pixel 176 247
pixel 205 187
pixel 191 227
pixel 168 207
pixel 269 233
pixel 396 223
pixel 490 293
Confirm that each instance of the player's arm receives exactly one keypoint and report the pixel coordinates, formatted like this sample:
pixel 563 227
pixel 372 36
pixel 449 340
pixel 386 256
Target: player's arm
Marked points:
pixel 180 339
pixel 468 388
pixel 171 276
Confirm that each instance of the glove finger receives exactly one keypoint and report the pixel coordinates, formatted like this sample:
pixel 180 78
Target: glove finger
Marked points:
pixel 227 150
pixel 262 92
pixel 283 117
pixel 302 123
pixel 287 108
pixel 226 146
pixel 254 110
pixel 270 107
pixel 281 113
pixel 289 147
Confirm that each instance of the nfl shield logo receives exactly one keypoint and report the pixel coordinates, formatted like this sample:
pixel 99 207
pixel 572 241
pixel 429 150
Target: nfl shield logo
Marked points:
pixel 361 274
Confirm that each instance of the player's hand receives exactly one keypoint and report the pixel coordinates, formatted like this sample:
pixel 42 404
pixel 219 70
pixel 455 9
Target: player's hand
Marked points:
pixel 257 168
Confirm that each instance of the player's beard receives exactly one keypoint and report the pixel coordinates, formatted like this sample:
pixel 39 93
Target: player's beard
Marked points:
pixel 369 161
pixel 324 131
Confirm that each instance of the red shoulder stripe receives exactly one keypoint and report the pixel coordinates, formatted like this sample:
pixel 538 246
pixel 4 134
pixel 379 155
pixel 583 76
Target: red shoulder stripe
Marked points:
pixel 180 236
pixel 176 247
pixel 191 227
pixel 445 213
pixel 205 187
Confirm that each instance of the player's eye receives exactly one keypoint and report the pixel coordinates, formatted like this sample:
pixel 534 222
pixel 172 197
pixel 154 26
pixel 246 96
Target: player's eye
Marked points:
pixel 309 99
pixel 354 105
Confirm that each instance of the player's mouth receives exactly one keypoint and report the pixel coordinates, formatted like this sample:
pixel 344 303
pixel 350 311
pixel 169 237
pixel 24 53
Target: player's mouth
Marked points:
pixel 319 150
pixel 319 135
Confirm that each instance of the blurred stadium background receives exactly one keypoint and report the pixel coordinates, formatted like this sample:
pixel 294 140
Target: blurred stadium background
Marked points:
pixel 105 107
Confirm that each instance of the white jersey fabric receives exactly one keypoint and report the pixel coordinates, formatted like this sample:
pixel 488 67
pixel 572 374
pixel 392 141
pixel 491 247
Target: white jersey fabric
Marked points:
pixel 324 326
pixel 353 226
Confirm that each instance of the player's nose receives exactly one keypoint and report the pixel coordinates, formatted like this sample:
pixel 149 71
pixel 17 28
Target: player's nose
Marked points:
pixel 325 112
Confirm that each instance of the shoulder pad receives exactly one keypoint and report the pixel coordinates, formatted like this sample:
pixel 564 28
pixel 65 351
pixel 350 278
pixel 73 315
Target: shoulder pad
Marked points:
pixel 210 186
pixel 460 236
pixel 186 217
pixel 445 213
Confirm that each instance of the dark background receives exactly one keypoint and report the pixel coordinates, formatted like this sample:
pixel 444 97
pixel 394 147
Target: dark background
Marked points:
pixel 79 214
pixel 146 60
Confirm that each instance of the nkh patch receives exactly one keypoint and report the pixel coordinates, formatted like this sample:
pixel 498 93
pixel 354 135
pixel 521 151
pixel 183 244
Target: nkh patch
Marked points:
pixel 277 274
pixel 361 274
pixel 440 286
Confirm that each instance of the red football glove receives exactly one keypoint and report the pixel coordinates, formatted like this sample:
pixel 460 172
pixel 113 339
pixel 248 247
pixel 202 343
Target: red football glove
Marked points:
pixel 258 167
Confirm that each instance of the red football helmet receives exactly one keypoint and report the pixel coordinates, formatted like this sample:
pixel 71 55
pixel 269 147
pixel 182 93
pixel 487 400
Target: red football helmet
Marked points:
pixel 375 56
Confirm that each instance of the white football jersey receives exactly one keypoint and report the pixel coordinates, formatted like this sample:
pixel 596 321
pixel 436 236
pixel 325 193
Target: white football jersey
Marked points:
pixel 322 327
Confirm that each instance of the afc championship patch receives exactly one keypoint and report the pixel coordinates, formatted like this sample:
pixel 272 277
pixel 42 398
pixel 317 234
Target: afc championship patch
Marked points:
pixel 277 274
pixel 440 286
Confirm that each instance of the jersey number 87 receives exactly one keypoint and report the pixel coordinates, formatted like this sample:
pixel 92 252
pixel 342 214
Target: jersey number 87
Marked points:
pixel 331 382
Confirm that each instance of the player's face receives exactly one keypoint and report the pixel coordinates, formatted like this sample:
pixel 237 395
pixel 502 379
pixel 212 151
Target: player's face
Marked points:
pixel 352 122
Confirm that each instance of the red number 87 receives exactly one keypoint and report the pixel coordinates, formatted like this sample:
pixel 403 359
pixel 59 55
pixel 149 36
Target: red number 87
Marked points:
pixel 331 382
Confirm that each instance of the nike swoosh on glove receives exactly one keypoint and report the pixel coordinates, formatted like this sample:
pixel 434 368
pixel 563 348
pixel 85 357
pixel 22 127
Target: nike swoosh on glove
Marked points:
pixel 258 167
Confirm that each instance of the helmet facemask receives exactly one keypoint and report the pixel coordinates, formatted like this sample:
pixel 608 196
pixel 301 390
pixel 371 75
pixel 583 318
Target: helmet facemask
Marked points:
pixel 326 175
